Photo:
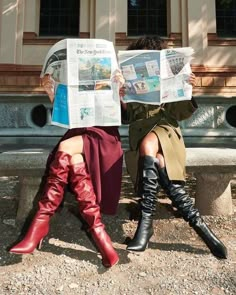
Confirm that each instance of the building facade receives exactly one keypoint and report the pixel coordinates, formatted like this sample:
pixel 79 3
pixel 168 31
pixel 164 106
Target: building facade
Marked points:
pixel 28 28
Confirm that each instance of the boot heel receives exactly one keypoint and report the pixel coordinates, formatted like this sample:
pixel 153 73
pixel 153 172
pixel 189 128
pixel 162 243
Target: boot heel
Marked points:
pixel 40 244
pixel 143 234
pixel 136 246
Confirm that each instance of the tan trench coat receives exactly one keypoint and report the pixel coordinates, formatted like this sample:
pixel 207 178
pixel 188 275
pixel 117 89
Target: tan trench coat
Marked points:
pixel 163 121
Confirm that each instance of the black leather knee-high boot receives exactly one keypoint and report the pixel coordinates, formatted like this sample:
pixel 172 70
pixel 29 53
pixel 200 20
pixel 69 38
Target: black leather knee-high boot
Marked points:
pixel 147 190
pixel 181 200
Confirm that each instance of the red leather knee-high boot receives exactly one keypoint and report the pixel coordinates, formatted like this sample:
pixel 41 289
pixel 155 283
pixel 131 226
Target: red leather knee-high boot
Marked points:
pixel 81 185
pixel 51 199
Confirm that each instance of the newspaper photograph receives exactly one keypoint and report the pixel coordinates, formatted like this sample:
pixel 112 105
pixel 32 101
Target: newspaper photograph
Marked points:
pixel 85 94
pixel 156 76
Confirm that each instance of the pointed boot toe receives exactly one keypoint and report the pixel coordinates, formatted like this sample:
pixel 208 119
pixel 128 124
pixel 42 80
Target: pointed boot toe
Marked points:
pixel 218 249
pixel 143 233
pixel 26 246
pixel 104 245
pixel 139 244
pixel 22 249
pixel 133 246
pixel 112 261
pixel 17 250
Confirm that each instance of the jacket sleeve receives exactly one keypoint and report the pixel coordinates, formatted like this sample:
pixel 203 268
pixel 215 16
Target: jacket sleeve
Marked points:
pixel 128 115
pixel 181 110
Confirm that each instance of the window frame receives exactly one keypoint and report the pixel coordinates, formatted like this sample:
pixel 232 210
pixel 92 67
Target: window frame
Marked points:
pixel 60 25
pixel 223 30
pixel 147 16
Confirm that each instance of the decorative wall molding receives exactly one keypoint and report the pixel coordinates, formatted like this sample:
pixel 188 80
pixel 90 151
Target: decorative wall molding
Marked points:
pixel 121 39
pixel 213 81
pixel 217 81
pixel 219 70
pixel 31 38
pixel 10 68
pixel 175 40
pixel 20 78
pixel 214 40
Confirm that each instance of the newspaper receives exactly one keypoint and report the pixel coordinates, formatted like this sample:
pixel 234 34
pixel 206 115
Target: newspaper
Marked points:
pixel 85 94
pixel 156 76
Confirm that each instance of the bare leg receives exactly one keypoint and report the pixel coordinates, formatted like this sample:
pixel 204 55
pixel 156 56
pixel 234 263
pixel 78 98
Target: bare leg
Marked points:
pixel 52 195
pixel 184 204
pixel 148 188
pixel 89 209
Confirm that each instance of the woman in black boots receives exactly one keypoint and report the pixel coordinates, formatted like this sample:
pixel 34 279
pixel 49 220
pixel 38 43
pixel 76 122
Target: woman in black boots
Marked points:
pixel 82 160
pixel 157 151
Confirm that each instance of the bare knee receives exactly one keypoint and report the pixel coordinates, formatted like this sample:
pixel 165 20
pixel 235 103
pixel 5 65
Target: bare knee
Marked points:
pixel 64 146
pixel 149 145
pixel 76 158
pixel 72 146
pixel 161 160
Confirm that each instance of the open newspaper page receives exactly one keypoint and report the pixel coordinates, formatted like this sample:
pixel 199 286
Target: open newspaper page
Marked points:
pixel 175 72
pixel 156 76
pixel 90 64
pixel 85 95
pixel 56 65
pixel 141 70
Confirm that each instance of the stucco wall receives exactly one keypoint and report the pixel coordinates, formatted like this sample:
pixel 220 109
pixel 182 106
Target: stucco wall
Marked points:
pixel 194 20
pixel 8 27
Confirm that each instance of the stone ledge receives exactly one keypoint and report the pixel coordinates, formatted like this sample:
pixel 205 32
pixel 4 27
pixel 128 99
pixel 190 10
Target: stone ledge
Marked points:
pixel 213 169
pixel 211 160
pixel 31 159
pixel 28 161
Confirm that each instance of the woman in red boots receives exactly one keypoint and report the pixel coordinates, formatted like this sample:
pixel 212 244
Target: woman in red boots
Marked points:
pixel 82 160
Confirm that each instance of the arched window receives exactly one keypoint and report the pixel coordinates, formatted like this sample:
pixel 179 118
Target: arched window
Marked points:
pixel 226 18
pixel 147 17
pixel 59 18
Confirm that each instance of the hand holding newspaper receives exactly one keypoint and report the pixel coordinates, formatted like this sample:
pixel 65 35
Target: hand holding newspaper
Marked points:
pixel 48 84
pixel 83 79
pixel 85 94
pixel 156 76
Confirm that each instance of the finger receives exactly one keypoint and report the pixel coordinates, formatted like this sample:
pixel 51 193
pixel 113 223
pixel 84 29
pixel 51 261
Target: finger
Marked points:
pixel 122 91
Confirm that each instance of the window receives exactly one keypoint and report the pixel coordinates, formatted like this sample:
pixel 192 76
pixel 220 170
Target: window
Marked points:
pixel 226 18
pixel 59 18
pixel 147 17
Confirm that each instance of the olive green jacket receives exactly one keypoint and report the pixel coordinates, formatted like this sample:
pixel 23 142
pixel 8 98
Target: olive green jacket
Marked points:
pixel 163 121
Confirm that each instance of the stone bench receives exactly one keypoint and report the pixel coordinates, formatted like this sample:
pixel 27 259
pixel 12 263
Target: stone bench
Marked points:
pixel 28 163
pixel 213 168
